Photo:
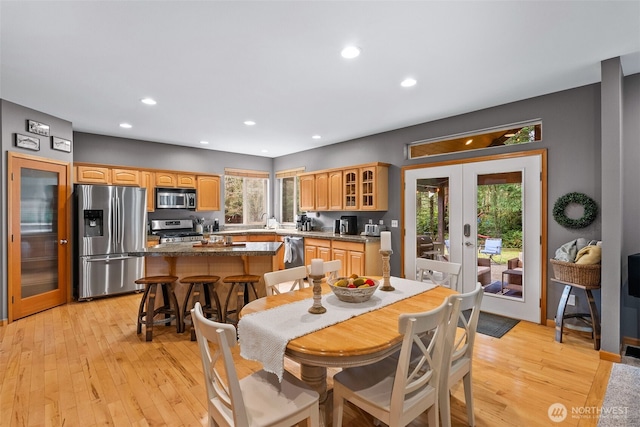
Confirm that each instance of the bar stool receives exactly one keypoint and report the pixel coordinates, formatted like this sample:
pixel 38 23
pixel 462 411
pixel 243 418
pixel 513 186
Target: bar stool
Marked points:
pixel 170 308
pixel 244 280
pixel 200 284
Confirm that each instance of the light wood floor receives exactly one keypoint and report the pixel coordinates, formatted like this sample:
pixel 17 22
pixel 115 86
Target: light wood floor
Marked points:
pixel 83 364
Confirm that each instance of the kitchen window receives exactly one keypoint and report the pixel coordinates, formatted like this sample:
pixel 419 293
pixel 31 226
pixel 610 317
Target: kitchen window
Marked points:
pixel 288 185
pixel 246 195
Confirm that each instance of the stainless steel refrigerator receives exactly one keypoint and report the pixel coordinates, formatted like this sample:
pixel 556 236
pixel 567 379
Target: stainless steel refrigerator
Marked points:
pixel 110 223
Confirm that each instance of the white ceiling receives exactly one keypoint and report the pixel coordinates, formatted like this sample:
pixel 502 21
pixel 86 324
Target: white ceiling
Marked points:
pixel 213 64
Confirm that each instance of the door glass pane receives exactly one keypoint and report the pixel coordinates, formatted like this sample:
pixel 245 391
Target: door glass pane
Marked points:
pixel 432 218
pixel 38 231
pixel 499 240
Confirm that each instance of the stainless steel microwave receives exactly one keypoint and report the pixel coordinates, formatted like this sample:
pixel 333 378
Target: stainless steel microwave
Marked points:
pixel 175 198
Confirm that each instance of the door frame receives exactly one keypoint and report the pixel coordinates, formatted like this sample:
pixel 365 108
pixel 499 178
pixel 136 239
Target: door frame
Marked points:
pixel 64 227
pixel 543 208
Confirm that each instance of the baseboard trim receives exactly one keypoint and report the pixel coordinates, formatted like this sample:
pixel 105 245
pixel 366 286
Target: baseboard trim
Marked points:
pixel 631 341
pixel 611 357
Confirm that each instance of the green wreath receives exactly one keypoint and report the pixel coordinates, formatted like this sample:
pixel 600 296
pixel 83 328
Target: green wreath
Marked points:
pixel 589 205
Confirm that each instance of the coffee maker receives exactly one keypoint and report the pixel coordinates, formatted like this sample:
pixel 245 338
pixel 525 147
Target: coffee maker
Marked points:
pixel 348 224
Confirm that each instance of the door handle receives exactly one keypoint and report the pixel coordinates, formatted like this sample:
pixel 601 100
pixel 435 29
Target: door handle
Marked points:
pixel 63 241
pixel 468 244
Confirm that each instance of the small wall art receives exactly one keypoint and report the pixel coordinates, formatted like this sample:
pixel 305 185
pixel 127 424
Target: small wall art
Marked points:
pixel 60 144
pixel 37 128
pixel 28 142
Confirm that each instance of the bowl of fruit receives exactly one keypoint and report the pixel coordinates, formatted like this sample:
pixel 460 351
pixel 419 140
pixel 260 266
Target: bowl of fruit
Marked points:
pixel 353 288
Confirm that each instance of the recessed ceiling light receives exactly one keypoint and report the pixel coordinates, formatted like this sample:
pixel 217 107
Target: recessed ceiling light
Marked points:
pixel 316 137
pixel 408 82
pixel 265 151
pixel 125 125
pixel 204 142
pixel 350 52
pixel 249 122
pixel 148 101
pixel 468 142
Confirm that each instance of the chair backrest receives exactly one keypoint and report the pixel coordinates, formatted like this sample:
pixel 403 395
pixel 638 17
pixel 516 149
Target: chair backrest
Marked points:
pixel 492 246
pixel 440 272
pixel 294 275
pixel 226 397
pixel 331 269
pixel 462 345
pixel 417 375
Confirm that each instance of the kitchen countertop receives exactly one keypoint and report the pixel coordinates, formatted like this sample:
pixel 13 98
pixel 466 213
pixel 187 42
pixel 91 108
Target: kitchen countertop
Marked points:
pixel 293 232
pixel 187 249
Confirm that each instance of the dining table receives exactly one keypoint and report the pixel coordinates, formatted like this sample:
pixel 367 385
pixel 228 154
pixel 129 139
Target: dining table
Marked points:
pixel 363 333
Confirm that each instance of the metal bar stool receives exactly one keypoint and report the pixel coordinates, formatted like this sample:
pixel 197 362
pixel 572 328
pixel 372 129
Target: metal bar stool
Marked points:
pixel 245 281
pixel 197 285
pixel 170 308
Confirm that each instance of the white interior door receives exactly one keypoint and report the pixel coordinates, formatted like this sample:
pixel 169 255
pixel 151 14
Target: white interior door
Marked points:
pixel 461 209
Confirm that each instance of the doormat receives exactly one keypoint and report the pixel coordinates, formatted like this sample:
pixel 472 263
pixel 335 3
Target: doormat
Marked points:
pixel 621 405
pixel 492 325
pixel 495 288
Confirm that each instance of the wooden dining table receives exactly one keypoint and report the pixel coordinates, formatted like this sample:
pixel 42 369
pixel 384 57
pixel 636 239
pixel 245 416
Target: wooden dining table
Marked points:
pixel 360 340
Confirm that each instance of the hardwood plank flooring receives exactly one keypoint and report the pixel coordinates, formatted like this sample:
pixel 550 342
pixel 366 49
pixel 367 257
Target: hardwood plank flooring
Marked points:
pixel 82 364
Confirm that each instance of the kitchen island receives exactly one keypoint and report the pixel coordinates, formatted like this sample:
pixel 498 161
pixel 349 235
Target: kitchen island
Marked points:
pixel 189 259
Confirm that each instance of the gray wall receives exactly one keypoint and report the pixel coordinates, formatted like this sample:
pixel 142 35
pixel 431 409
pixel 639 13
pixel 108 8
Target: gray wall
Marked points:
pixel 13 119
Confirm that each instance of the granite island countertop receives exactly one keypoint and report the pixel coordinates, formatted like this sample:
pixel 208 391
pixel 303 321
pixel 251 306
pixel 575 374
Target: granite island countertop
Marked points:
pixel 358 238
pixel 188 249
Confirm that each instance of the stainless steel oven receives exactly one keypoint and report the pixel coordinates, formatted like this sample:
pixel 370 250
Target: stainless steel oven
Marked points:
pixel 175 198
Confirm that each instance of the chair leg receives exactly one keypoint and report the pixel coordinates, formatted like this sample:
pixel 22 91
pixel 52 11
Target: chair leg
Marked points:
pixel 141 312
pixel 468 399
pixel 210 292
pixel 338 409
pixel 150 311
pixel 176 306
pixel 195 298
pixel 444 401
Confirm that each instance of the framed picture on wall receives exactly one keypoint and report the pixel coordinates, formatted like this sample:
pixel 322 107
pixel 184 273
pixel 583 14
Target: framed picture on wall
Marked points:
pixel 37 128
pixel 28 142
pixel 60 144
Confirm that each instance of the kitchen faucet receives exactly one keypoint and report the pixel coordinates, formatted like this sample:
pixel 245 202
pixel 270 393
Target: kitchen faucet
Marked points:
pixel 264 216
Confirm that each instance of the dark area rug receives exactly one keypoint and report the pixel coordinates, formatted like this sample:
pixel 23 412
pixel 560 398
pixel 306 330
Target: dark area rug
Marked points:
pixel 494 288
pixel 492 324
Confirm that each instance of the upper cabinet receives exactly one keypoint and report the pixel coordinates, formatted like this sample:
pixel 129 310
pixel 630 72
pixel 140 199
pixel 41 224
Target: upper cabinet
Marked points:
pixel 166 179
pixel 125 177
pixel 307 192
pixel 186 181
pixel 374 188
pixel 92 174
pixel 208 193
pixel 147 180
pixel 361 187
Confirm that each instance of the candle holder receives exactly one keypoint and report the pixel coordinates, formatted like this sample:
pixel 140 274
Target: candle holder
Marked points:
pixel 386 271
pixel 317 307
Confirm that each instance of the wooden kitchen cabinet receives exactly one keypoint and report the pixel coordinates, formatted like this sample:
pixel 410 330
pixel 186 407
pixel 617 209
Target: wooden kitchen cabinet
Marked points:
pixel 351 187
pixel 316 248
pixel 374 187
pixel 307 192
pixel 125 177
pixel 147 180
pixel 166 179
pixel 186 181
pixel 335 190
pixel 358 258
pixel 85 174
pixel 208 188
pixel 322 191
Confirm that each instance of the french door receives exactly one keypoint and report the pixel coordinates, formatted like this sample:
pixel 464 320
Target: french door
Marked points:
pixel 487 216
pixel 38 210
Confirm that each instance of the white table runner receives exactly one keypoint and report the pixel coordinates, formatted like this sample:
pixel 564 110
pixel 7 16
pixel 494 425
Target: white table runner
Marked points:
pixel 264 335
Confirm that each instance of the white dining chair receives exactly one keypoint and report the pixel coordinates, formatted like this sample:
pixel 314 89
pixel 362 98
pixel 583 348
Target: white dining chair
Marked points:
pixel 442 273
pixel 461 354
pixel 256 400
pixel 396 391
pixel 291 278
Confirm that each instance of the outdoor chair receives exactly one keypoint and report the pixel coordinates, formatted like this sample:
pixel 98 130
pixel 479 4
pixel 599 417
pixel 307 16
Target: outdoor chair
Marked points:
pixel 492 246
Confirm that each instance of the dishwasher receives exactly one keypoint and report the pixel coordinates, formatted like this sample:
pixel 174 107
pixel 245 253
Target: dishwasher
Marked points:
pixel 293 251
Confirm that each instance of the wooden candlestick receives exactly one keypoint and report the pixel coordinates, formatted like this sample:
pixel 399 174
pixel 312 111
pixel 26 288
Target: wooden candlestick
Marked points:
pixel 386 271
pixel 317 307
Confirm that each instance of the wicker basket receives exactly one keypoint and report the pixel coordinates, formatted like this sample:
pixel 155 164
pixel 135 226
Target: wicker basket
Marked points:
pixel 581 274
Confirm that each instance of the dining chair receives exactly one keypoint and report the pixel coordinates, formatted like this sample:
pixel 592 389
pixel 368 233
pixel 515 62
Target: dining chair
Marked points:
pixel 256 400
pixel 461 354
pixel 443 273
pixel 293 277
pixel 396 391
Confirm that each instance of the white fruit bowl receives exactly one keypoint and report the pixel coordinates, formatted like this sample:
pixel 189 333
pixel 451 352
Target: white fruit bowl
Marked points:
pixel 352 294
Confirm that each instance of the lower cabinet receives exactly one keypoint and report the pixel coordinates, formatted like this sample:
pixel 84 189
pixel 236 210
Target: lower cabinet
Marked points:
pixel 356 258
pixel 316 248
